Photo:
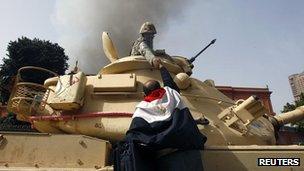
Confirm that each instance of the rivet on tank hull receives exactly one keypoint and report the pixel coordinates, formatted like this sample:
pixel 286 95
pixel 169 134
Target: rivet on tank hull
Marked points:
pixel 79 162
pixel 97 167
pixel 83 144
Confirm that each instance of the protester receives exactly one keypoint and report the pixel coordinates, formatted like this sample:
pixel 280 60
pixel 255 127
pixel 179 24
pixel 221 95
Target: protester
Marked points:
pixel 160 121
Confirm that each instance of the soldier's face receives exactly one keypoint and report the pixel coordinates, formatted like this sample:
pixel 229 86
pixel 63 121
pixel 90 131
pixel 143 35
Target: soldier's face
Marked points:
pixel 149 36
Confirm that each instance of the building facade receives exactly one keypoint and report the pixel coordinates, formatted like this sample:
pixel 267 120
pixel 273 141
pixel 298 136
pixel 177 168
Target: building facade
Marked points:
pixel 236 93
pixel 296 82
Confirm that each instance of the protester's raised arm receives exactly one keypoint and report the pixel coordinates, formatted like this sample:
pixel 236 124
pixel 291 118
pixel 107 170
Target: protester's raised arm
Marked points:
pixel 167 79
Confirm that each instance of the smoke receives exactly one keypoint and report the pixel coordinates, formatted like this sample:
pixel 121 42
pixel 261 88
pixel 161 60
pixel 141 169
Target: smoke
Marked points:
pixel 81 22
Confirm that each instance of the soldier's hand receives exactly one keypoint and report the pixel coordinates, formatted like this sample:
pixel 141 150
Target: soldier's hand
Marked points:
pixel 157 63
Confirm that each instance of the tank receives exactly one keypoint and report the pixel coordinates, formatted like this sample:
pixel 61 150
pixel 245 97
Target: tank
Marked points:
pixel 93 111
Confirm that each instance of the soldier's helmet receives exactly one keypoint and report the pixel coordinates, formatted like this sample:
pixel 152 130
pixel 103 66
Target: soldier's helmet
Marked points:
pixel 147 27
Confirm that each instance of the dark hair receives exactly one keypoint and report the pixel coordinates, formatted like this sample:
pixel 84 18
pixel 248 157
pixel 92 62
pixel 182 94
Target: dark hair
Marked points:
pixel 150 86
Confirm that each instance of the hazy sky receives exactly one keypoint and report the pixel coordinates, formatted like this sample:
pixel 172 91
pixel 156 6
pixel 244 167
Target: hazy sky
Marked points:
pixel 259 42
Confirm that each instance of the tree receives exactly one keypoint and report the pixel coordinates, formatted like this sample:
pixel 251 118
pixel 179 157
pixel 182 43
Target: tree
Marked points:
pixel 290 107
pixel 27 52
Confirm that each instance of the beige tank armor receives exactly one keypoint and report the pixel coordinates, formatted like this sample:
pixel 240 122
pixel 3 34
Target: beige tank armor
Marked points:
pixel 77 116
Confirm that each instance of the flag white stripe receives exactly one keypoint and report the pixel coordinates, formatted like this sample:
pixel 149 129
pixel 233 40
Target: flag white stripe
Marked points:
pixel 159 109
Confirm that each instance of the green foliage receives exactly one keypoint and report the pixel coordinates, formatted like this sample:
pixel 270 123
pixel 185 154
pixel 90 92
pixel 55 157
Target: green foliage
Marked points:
pixel 27 52
pixel 289 107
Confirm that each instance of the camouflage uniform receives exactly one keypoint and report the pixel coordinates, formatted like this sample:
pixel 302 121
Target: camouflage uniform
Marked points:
pixel 144 44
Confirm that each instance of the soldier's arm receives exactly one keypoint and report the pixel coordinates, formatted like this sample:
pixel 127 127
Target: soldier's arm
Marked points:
pixel 146 52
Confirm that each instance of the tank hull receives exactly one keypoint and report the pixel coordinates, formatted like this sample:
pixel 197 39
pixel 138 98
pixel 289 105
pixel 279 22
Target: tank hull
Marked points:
pixel 81 104
pixel 39 151
pixel 101 125
pixel 242 158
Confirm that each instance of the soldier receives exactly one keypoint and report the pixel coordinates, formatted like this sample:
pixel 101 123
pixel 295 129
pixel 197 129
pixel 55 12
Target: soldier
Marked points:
pixel 144 44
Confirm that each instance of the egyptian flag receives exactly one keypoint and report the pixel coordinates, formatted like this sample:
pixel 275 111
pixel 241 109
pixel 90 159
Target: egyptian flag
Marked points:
pixel 163 121
pixel 160 121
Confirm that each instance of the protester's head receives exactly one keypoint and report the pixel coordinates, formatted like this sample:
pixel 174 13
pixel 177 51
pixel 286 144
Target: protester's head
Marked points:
pixel 150 86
